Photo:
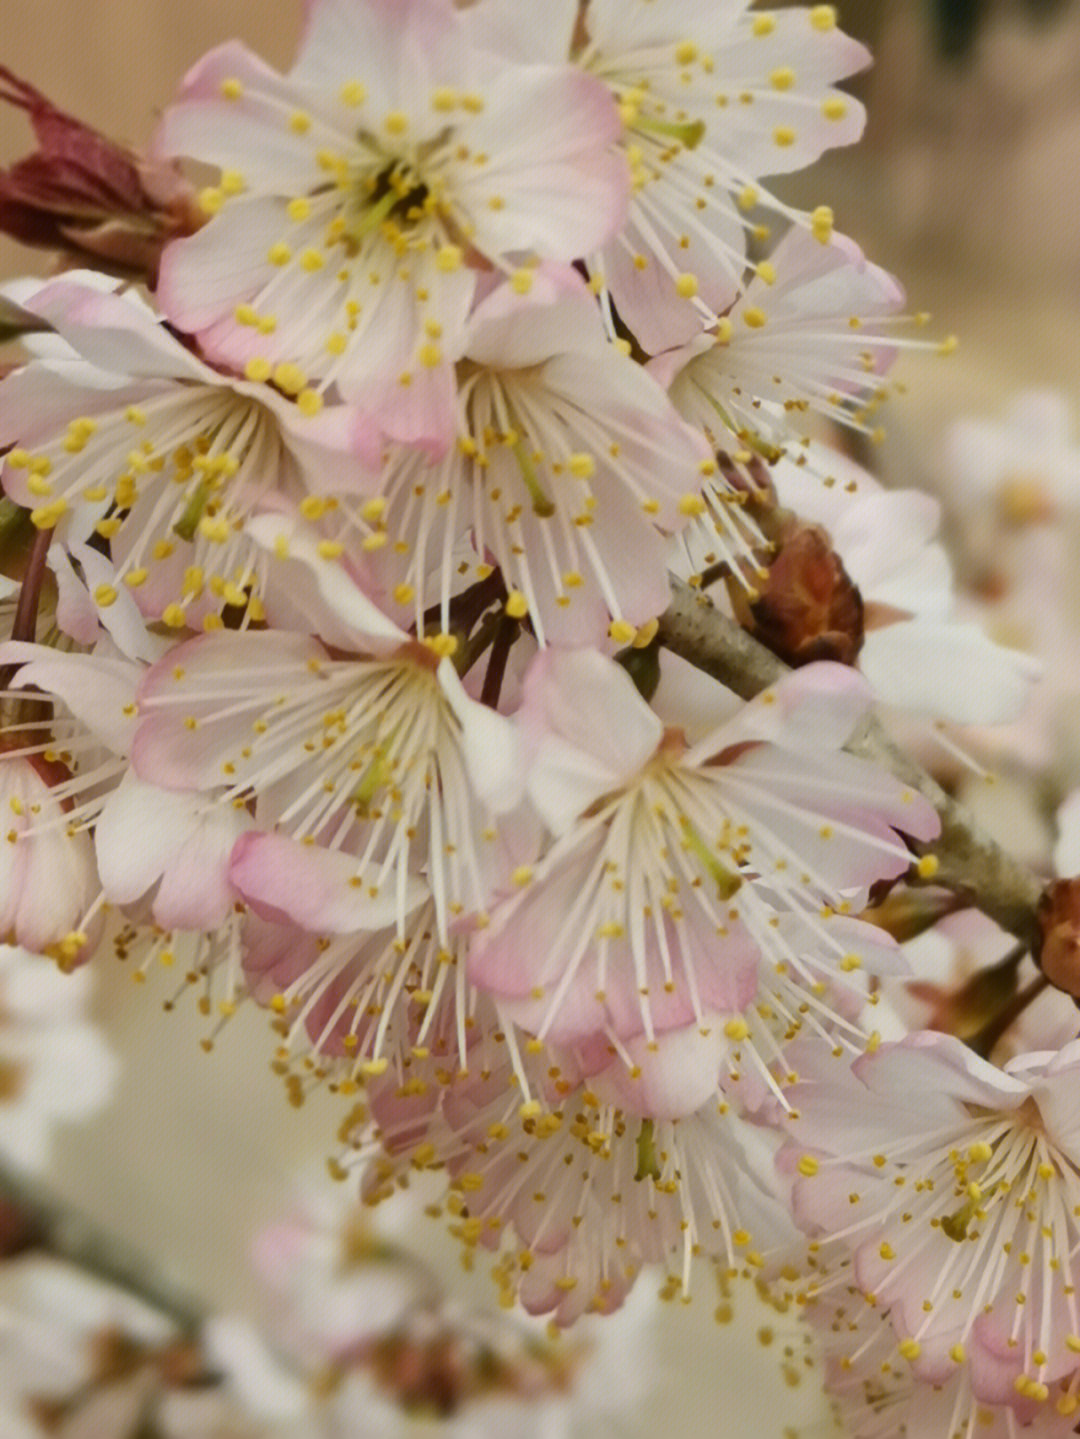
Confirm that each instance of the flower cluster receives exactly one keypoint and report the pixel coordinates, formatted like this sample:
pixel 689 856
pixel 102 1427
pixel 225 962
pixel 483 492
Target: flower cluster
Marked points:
pixel 358 526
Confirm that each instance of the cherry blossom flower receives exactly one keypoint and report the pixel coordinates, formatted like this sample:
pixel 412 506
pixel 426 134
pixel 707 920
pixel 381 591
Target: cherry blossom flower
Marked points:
pixel 366 767
pixel 712 99
pixel 603 1168
pixel 165 457
pixel 673 859
pixel 879 1396
pixel 570 466
pixel 813 335
pixel 963 1221
pixel 359 193
pixel 54 1062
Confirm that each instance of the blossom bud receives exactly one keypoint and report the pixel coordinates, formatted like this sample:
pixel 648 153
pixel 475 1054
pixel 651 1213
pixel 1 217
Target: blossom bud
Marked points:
pixel 809 608
pixel 82 193
pixel 1058 954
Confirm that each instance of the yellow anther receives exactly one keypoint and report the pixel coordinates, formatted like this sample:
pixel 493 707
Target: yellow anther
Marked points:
pixel 736 1029
pixel 821 224
pixel 910 1348
pixel 834 108
pixel 352 93
pixel 927 866
pixel 258 368
pixel 521 281
pixel 449 258
pixel 784 136
pixel 279 254
pixel 105 595
pixel 211 200
pixel 622 631
pixel 232 182
pixel 309 403
pixel 767 271
pixel 763 25
pixel 336 343
pixel 134 578
pixel 957 1354
pixel 522 875
pixel 581 465
pixel 686 286
pixel 299 122
pixel 823 17
pixel 444 99
pixel 289 378
pixel 429 355
pixel 754 318
pixel 691 505
pixel 808 1166
pixel 246 315
pixel 782 78
pixel 404 594
pixel 517 606
pixel 331 549
pixel 311 261
pixel 231 88
pixel 396 122
pixel 47 516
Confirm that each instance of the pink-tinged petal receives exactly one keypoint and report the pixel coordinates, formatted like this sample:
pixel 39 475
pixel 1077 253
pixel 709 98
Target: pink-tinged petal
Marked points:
pixel 222 265
pixel 576 198
pixel 690 700
pixel 320 589
pixel 179 842
pixel 512 331
pixel 647 297
pixel 671 1077
pixel 948 671
pixel 811 711
pixel 117 612
pixel 189 683
pixel 576 703
pixel 99 692
pixel 1055 1094
pixel 400 50
pixel 491 745
pixel 76 613
pixel 284 879
pixel 118 333
pixel 249 134
pixel 928 1061
pixel 531 33
pixel 41 398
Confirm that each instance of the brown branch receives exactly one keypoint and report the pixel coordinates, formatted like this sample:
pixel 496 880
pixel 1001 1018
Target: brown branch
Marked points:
pixel 50 1226
pixel 971 864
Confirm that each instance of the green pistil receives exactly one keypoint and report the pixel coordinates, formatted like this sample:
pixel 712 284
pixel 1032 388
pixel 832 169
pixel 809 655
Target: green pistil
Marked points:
pixel 541 504
pixel 373 216
pixel 648 1161
pixel 728 882
pixel 194 510
pixel 689 134
pixel 374 779
pixel 956 1225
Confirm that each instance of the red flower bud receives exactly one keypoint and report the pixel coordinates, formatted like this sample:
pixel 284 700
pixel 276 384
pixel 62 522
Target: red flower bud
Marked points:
pixel 82 193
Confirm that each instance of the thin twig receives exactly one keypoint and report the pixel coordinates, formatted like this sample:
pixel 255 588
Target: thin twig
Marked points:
pixel 58 1230
pixel 970 863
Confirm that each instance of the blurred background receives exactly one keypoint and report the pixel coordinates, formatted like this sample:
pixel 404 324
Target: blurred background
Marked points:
pixel 965 186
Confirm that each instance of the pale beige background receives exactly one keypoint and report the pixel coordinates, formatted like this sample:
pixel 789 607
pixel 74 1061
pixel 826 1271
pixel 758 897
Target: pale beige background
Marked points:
pixel 962 188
